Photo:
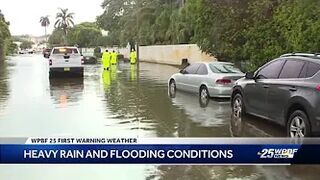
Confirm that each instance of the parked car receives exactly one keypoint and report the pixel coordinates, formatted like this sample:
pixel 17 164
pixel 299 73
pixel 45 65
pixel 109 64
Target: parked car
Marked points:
pixel 26 51
pixel 214 79
pixel 22 51
pixel 286 91
pixel 89 59
pixel 65 60
pixel 31 51
pixel 46 52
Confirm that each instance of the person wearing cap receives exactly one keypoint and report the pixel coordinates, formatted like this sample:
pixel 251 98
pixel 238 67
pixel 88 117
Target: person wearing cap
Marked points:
pixel 114 58
pixel 106 57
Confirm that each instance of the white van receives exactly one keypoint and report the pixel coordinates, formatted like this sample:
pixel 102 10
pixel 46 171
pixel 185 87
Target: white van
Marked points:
pixel 65 60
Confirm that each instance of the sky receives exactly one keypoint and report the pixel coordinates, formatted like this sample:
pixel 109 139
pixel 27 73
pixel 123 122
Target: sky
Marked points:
pixel 24 15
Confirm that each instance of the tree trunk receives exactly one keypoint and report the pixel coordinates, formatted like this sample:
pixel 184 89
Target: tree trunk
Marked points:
pixel 65 36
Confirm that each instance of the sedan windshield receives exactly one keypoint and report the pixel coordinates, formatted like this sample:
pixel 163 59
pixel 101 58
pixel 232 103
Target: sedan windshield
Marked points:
pixel 224 68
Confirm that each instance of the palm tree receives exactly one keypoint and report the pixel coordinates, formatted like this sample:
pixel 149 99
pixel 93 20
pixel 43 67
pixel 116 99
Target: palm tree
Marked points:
pixel 64 20
pixel 45 22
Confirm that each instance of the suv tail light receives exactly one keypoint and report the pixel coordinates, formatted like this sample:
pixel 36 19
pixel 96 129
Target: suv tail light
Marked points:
pixel 223 81
pixel 318 88
pixel 50 62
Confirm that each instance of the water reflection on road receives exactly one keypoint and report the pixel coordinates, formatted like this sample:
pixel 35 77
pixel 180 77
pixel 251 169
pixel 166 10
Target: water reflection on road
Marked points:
pixel 200 121
pixel 125 101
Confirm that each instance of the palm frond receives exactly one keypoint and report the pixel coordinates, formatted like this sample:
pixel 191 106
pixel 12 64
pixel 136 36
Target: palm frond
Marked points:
pixel 70 15
pixel 57 24
pixel 71 22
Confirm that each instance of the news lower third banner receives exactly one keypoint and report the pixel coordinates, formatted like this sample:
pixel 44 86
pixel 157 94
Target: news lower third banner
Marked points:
pixel 175 151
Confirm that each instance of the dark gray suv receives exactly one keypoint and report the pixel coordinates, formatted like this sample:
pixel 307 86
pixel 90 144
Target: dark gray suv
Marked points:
pixel 286 91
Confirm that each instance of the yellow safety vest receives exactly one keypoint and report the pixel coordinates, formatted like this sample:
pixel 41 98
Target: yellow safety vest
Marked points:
pixel 133 57
pixel 114 58
pixel 106 56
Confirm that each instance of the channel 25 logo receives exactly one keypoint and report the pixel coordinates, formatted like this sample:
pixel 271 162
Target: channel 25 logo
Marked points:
pixel 277 153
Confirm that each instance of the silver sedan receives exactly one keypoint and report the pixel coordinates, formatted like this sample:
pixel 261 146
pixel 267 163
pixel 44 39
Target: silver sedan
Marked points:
pixel 214 79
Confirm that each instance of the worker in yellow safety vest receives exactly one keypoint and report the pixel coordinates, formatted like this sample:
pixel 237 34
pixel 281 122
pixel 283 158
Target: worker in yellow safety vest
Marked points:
pixel 106 58
pixel 133 57
pixel 114 58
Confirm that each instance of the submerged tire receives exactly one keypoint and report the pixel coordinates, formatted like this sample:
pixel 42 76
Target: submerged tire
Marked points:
pixel 172 88
pixel 204 96
pixel 238 109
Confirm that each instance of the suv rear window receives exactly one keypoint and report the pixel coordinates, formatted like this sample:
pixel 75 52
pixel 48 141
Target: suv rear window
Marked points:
pixel 313 68
pixel 309 70
pixel 65 51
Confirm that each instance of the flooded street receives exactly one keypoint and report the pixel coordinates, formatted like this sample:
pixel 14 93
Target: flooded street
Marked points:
pixel 121 102
pixel 125 102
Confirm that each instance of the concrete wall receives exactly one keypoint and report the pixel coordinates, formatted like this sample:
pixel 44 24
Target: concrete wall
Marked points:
pixel 165 54
pixel 87 50
pixel 173 54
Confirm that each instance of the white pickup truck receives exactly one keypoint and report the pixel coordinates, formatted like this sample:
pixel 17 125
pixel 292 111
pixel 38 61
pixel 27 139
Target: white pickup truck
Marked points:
pixel 65 60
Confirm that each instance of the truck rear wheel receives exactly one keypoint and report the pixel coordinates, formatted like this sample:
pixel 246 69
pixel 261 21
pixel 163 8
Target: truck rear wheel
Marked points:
pixel 81 72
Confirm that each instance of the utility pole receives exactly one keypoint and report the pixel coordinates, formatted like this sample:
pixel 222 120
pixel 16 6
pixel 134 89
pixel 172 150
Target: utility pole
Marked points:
pixel 138 38
pixel 138 51
pixel 171 26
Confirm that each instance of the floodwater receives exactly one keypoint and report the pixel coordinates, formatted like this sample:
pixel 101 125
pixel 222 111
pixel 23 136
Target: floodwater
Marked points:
pixel 126 102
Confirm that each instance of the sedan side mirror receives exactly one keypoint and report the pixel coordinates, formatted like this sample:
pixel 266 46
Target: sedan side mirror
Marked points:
pixel 249 75
pixel 182 71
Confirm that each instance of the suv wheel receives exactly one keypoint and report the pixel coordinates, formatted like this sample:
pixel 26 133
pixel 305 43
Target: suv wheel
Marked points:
pixel 237 106
pixel 298 125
